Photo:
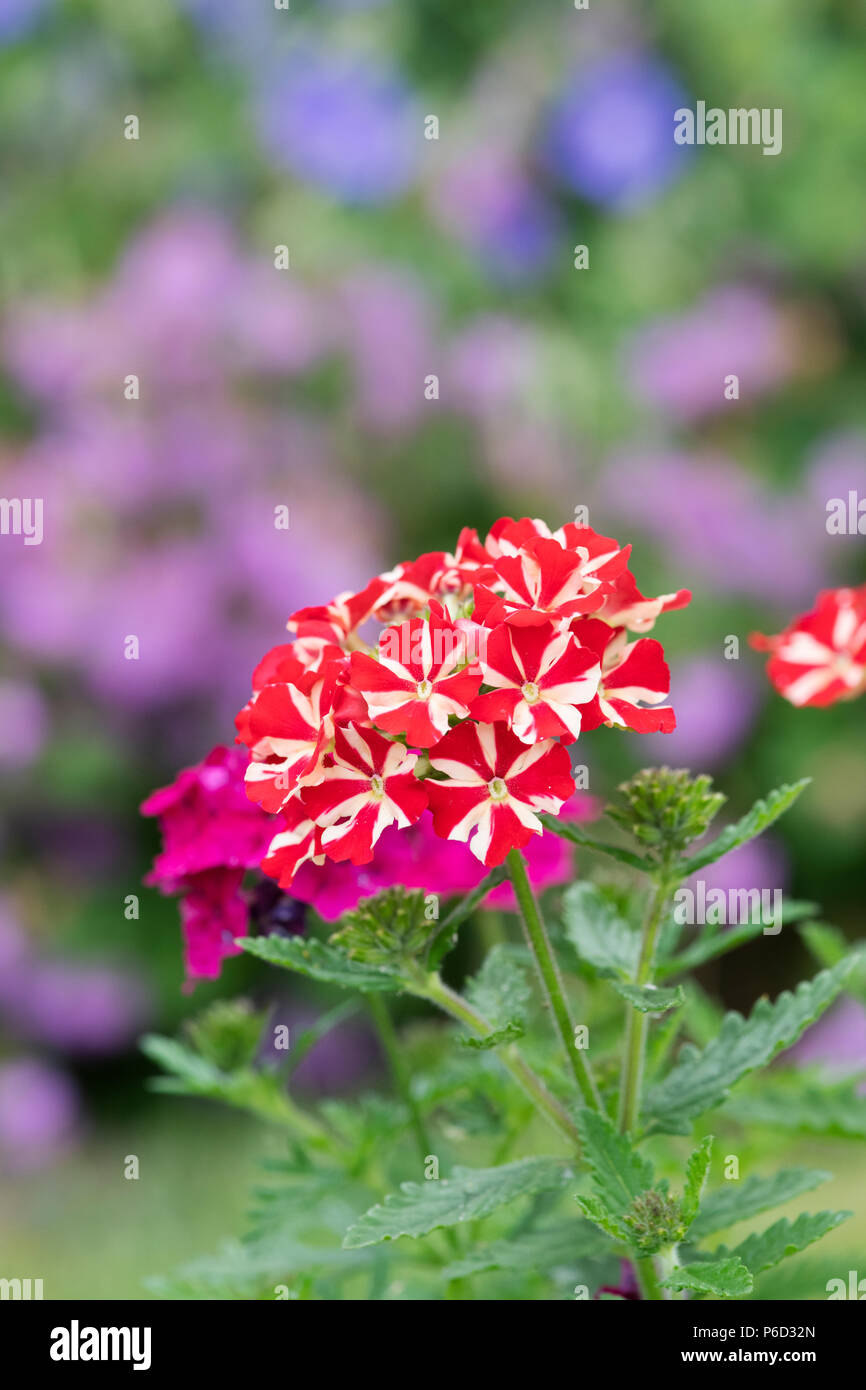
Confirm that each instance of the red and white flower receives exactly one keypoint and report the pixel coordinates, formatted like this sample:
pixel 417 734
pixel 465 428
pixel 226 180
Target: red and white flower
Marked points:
pixel 632 677
pixel 290 726
pixel 540 678
pixel 338 620
pixel 625 606
pixel 420 679
pixel 544 580
pixel 821 657
pixel 297 843
pixel 369 784
pixel 496 786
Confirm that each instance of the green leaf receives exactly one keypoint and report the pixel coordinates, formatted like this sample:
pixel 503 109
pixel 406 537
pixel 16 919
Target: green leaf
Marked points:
pixel 419 1208
pixel 701 1080
pixel 500 991
pixel 259 1091
pixel 569 831
pixel 619 1173
pixel 563 1244
pixel 738 1201
pixel 509 1033
pixel 762 815
pixel 763 1249
pixel 834 1112
pixel 697 1169
pixel 598 933
pixel 650 999
pixel 827 944
pixel 727 1278
pixel 595 1210
pixel 320 961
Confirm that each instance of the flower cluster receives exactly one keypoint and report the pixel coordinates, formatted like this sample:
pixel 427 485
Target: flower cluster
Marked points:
pixel 487 663
pixel 821 656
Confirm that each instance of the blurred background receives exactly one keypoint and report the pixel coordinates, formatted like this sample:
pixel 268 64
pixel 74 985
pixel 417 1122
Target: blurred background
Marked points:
pixel 297 139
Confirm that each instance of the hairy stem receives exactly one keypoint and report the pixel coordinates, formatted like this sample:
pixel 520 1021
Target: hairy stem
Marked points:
pixel 434 989
pixel 648 1279
pixel 539 944
pixel 637 1023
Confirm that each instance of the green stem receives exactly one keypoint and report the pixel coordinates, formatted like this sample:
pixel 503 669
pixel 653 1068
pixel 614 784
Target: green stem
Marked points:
pixel 402 1085
pixel 648 1279
pixel 551 982
pixel 637 1023
pixel 434 989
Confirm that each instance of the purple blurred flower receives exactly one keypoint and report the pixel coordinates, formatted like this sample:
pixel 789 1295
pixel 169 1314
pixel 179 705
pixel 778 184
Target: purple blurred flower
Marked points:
pixel 611 134
pixel 494 373
pixel 760 864
pixel 680 364
pixel 837 1041
pixel 492 361
pixel 837 467
pixel 80 1009
pixel 387 328
pixel 23 723
pixel 14 951
pixel 75 1007
pixel 487 202
pixel 160 513
pixel 342 123
pixel 184 309
pixel 39 1111
pixel 340 1061
pixel 715 702
pixel 714 520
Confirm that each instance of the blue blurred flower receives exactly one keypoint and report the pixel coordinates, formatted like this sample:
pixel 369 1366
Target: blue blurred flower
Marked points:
pixel 611 134
pixel 18 17
pixel 343 123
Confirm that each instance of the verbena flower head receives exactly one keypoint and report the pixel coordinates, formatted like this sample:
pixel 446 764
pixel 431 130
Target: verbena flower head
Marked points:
pixel 821 656
pixel 454 682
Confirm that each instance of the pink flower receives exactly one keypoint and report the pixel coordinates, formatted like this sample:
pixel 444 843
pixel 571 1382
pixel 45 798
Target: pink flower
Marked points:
pixel 369 785
pixel 207 821
pixel 495 787
pixel 212 832
pixel 213 912
pixel 821 656
pixel 540 677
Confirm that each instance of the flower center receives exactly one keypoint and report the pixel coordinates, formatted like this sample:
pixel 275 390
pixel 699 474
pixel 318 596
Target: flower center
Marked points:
pixel 424 690
pixel 530 692
pixel 377 787
pixel 497 789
